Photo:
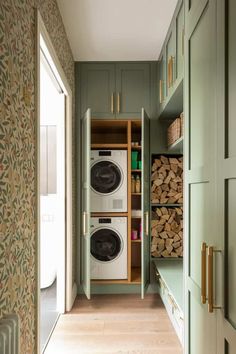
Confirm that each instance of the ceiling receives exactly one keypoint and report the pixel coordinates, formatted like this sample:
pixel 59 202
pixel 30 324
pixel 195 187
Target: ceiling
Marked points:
pixel 116 30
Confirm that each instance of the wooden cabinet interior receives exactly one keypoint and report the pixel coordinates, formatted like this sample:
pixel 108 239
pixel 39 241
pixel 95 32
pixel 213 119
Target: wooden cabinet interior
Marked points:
pixel 123 134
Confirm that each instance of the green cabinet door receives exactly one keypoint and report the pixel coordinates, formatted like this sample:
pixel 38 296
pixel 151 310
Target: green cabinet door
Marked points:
pixel 145 252
pixel 85 238
pixel 200 152
pixel 132 89
pixel 170 61
pixel 226 172
pixel 162 77
pixel 98 89
pixel 179 23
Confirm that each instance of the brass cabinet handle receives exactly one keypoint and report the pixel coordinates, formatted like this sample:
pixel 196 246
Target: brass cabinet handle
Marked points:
pixel 112 102
pixel 118 102
pixel 203 273
pixel 168 74
pixel 211 305
pixel 171 71
pixel 147 223
pixel 160 91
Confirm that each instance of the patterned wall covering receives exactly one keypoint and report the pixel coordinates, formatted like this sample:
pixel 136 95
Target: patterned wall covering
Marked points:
pixel 18 154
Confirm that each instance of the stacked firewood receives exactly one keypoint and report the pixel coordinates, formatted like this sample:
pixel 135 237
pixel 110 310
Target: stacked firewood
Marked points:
pixel 167 180
pixel 167 232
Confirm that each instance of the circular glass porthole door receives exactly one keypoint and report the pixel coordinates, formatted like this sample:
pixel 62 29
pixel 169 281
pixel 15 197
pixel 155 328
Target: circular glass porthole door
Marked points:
pixel 106 177
pixel 106 245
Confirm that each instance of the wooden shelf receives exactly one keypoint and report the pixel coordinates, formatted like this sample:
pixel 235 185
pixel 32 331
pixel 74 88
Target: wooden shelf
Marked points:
pixel 108 214
pixel 177 146
pixel 136 217
pixel 136 171
pixel 139 147
pixel 136 193
pixel 136 241
pixel 136 275
pixel 109 146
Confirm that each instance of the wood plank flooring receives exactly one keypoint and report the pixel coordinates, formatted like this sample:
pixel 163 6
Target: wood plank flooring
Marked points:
pixel 122 324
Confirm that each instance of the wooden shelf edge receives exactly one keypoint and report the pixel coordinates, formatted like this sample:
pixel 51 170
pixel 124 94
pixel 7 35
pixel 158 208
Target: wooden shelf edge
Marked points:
pixel 109 146
pixel 166 205
pixel 98 214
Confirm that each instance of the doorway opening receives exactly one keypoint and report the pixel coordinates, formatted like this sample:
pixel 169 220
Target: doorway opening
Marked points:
pixel 52 198
pixel 56 288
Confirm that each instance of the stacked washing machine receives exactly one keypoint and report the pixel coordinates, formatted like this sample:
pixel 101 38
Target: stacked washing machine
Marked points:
pixel 108 233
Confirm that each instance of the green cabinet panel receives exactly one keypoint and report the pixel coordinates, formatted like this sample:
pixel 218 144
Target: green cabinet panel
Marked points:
pixel 226 176
pixel 170 61
pixel 98 89
pixel 86 147
pixel 145 252
pixel 200 152
pixel 132 89
pixel 115 90
pixel 179 43
pixel 170 65
pixel 162 77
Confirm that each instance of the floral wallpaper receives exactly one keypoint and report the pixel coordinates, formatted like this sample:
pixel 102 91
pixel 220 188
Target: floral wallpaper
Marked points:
pixel 18 154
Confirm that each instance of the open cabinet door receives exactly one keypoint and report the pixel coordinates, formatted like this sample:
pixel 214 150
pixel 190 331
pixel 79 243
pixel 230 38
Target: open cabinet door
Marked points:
pixel 145 202
pixel 86 132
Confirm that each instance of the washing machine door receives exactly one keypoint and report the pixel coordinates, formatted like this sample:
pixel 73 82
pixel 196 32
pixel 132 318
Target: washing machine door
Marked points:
pixel 106 245
pixel 106 177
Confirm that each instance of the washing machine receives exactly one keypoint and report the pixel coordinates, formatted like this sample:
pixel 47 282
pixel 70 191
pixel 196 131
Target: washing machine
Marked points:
pixel 108 242
pixel 108 181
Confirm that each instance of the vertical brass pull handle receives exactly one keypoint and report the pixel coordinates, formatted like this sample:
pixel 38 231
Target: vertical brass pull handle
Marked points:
pixel 160 91
pixel 203 273
pixel 168 75
pixel 147 223
pixel 112 102
pixel 118 102
pixel 183 42
pixel 211 305
pixel 171 71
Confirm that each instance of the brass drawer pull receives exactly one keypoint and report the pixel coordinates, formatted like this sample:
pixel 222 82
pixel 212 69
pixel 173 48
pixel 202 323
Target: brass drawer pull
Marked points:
pixel 112 103
pixel 118 102
pixel 160 91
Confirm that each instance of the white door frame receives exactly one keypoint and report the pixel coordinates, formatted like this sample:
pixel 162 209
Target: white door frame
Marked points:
pixel 70 289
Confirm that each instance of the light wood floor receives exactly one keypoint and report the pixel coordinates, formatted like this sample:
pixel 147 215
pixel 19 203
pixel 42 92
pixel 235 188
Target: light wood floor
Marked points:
pixel 115 324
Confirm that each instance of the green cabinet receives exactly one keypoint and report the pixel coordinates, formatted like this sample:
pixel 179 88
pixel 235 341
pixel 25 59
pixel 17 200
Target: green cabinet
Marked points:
pixel 171 63
pixel 114 90
pixel 132 89
pixel 98 89
pixel 200 153
pixel 179 27
pixel 162 77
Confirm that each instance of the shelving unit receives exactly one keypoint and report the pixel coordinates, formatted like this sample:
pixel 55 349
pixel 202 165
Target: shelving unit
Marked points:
pixel 136 133
pixel 119 134
pixel 168 246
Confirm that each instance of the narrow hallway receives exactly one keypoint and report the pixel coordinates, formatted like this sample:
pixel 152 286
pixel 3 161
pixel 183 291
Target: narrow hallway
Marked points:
pixel 115 324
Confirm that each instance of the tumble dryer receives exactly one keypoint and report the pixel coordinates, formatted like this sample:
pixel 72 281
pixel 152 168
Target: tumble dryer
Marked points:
pixel 108 242
pixel 108 181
